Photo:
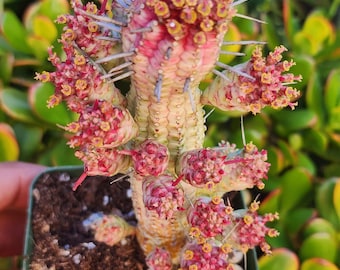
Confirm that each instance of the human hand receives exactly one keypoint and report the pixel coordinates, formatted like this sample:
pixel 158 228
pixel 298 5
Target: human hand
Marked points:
pixel 15 179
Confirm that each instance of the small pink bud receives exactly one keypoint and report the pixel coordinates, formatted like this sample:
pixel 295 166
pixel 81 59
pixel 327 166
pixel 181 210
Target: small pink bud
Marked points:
pixel 149 158
pixel 103 125
pixel 160 195
pixel 251 230
pixel 204 167
pixel 203 256
pixel 101 161
pixel 159 259
pixel 209 216
pixel 111 229
pixel 265 83
pixel 248 174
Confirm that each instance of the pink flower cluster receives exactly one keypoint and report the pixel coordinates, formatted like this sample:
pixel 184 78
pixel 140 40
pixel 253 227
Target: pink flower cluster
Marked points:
pixel 209 217
pixel 85 31
pixel 111 229
pixel 217 230
pixel 251 229
pixel 159 259
pixel 261 82
pixel 160 195
pixel 237 169
pixel 196 18
pixel 248 174
pixel 102 125
pixel 80 42
pixel 204 257
pixel 71 80
pixel 204 167
pixel 149 158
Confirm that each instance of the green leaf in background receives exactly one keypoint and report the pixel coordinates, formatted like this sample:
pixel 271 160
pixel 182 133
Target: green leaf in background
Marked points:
pixel 44 33
pixel 29 139
pixel 332 93
pixel 320 245
pixel 289 121
pixel 255 129
pixel 289 155
pixel 316 33
pixel 234 35
pixel 315 97
pixel 271 202
pixel 288 19
pixel 303 43
pixel 248 28
pixel 297 219
pixel 315 141
pixel 296 184
pixel 14 32
pixel 214 136
pixel 305 65
pixel 326 200
pixel 317 225
pixel 58 154
pixel 276 159
pixel 39 46
pixel 6 67
pixel 281 258
pixel 14 103
pixel 44 27
pixel 336 199
pixel 334 119
pixel 305 161
pixel 53 8
pixel 332 153
pixel 331 170
pixel 271 34
pixel 39 94
pixel 318 264
pixel 9 148
pixel 295 141
pixel 216 116
pixel 49 8
pixel 62 154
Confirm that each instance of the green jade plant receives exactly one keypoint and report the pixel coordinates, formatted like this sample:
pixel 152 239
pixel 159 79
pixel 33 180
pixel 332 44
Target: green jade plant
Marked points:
pixel 155 131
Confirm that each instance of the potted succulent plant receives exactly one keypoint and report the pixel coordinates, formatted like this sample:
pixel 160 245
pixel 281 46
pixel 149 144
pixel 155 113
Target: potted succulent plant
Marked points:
pixel 131 71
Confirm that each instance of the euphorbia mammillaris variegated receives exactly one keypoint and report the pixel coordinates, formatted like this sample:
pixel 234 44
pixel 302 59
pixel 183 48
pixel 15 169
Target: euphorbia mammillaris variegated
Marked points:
pixel 155 131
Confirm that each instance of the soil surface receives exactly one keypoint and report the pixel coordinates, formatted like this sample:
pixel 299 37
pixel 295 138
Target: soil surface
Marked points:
pixel 61 242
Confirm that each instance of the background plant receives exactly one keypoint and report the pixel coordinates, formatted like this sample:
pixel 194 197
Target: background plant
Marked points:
pixel 304 152
pixel 28 128
pixel 304 146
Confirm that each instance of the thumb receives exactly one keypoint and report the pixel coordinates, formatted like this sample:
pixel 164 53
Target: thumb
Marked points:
pixel 16 178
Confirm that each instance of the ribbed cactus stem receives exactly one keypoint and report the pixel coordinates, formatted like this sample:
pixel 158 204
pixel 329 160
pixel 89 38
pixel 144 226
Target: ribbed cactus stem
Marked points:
pixel 166 101
pixel 153 231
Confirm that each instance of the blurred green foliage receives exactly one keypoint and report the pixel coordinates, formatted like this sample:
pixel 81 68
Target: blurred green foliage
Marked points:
pixel 28 129
pixel 303 145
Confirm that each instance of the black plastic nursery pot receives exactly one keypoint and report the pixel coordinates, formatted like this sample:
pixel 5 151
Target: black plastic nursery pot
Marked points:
pixel 56 237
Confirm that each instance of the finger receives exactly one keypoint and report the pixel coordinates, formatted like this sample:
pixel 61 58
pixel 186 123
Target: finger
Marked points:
pixel 15 180
pixel 12 228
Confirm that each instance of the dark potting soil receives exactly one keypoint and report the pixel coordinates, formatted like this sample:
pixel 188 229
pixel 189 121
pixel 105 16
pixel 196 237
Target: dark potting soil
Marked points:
pixel 61 242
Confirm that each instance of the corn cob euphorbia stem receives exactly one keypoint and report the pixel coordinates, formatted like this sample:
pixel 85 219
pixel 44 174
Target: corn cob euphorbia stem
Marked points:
pixel 155 133
pixel 176 48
